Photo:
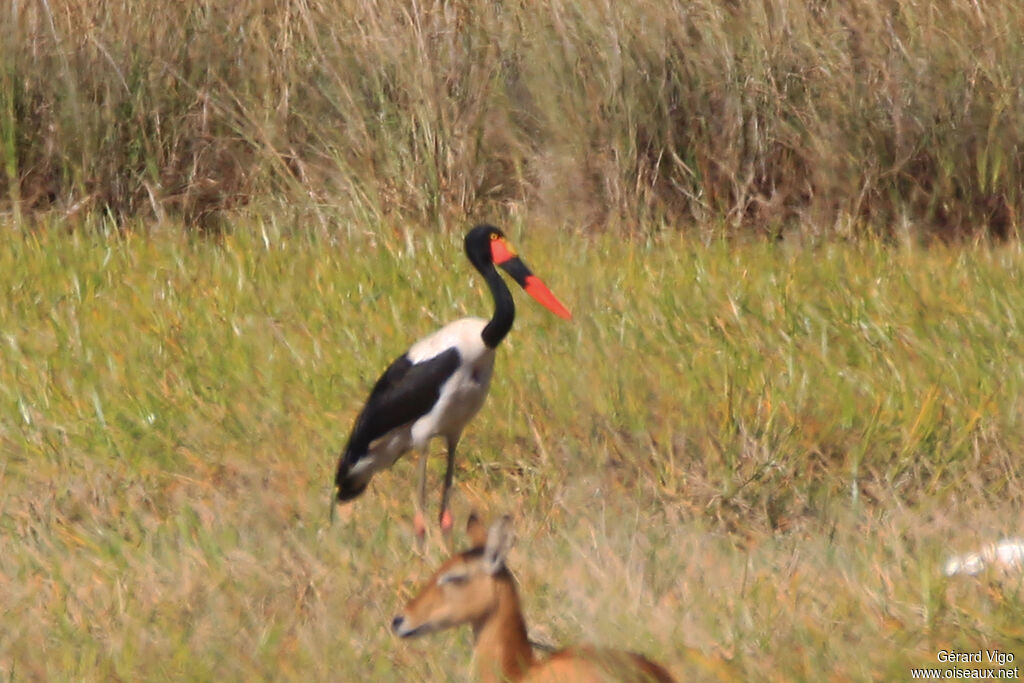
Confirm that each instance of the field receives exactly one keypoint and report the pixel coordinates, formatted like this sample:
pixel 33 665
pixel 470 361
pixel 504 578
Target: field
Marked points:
pixel 789 234
pixel 755 453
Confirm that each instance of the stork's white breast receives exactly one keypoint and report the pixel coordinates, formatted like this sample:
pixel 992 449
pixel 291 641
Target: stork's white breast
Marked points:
pixel 463 394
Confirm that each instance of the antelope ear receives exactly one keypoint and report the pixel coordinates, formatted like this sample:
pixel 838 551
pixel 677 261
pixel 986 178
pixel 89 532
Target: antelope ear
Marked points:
pixel 475 530
pixel 499 542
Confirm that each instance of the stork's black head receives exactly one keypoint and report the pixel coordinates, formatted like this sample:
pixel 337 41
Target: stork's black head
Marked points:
pixel 478 244
pixel 487 246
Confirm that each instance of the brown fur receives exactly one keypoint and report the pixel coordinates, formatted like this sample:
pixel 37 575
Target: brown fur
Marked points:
pixel 474 587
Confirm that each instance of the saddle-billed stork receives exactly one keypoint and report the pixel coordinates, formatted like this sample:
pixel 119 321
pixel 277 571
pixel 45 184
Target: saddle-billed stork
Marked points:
pixel 438 385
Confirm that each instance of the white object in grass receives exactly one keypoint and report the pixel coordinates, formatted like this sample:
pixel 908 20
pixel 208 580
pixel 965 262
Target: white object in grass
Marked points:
pixel 1004 555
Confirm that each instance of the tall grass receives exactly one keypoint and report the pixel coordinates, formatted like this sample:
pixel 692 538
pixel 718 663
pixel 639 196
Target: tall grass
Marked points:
pixel 815 117
pixel 754 453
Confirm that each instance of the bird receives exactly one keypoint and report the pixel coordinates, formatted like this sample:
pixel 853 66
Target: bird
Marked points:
pixel 438 385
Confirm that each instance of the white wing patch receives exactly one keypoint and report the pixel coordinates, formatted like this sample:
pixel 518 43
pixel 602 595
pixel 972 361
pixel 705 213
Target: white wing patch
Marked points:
pixel 462 334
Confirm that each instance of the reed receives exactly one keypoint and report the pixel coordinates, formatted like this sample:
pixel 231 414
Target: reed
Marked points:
pixel 771 118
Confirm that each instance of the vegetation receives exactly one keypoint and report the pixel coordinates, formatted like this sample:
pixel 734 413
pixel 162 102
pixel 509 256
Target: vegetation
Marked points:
pixel 819 117
pixel 754 452
pixel 743 456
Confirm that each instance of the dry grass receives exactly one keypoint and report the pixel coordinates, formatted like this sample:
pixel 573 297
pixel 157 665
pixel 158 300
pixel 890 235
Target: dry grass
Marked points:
pixel 750 453
pixel 820 117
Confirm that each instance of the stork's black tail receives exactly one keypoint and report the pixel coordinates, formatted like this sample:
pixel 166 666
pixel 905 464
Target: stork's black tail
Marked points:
pixel 346 490
pixel 346 486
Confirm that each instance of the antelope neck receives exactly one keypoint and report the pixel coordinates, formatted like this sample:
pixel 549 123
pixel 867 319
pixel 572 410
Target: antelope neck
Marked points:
pixel 502 651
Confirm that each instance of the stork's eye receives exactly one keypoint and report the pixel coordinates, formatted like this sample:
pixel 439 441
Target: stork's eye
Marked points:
pixel 494 236
pixel 452 578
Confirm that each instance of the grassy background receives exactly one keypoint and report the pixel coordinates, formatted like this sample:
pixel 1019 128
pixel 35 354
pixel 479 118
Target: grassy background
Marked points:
pixel 824 117
pixel 755 452
pixel 811 430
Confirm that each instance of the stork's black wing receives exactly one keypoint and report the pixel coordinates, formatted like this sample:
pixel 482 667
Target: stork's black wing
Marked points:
pixel 405 392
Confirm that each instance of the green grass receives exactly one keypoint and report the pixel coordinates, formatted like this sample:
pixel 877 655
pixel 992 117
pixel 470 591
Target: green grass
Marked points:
pixel 753 451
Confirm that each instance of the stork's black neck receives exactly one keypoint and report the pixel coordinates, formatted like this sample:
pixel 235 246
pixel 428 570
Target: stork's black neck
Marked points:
pixel 504 306
pixel 479 252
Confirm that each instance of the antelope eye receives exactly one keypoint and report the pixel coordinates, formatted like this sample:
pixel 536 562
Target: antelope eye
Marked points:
pixel 454 579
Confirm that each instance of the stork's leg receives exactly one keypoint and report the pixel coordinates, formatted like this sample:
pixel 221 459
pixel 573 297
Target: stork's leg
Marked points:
pixel 418 521
pixel 449 473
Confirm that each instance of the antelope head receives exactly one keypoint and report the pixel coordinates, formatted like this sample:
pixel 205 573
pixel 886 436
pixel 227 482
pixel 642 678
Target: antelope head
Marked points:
pixel 464 590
